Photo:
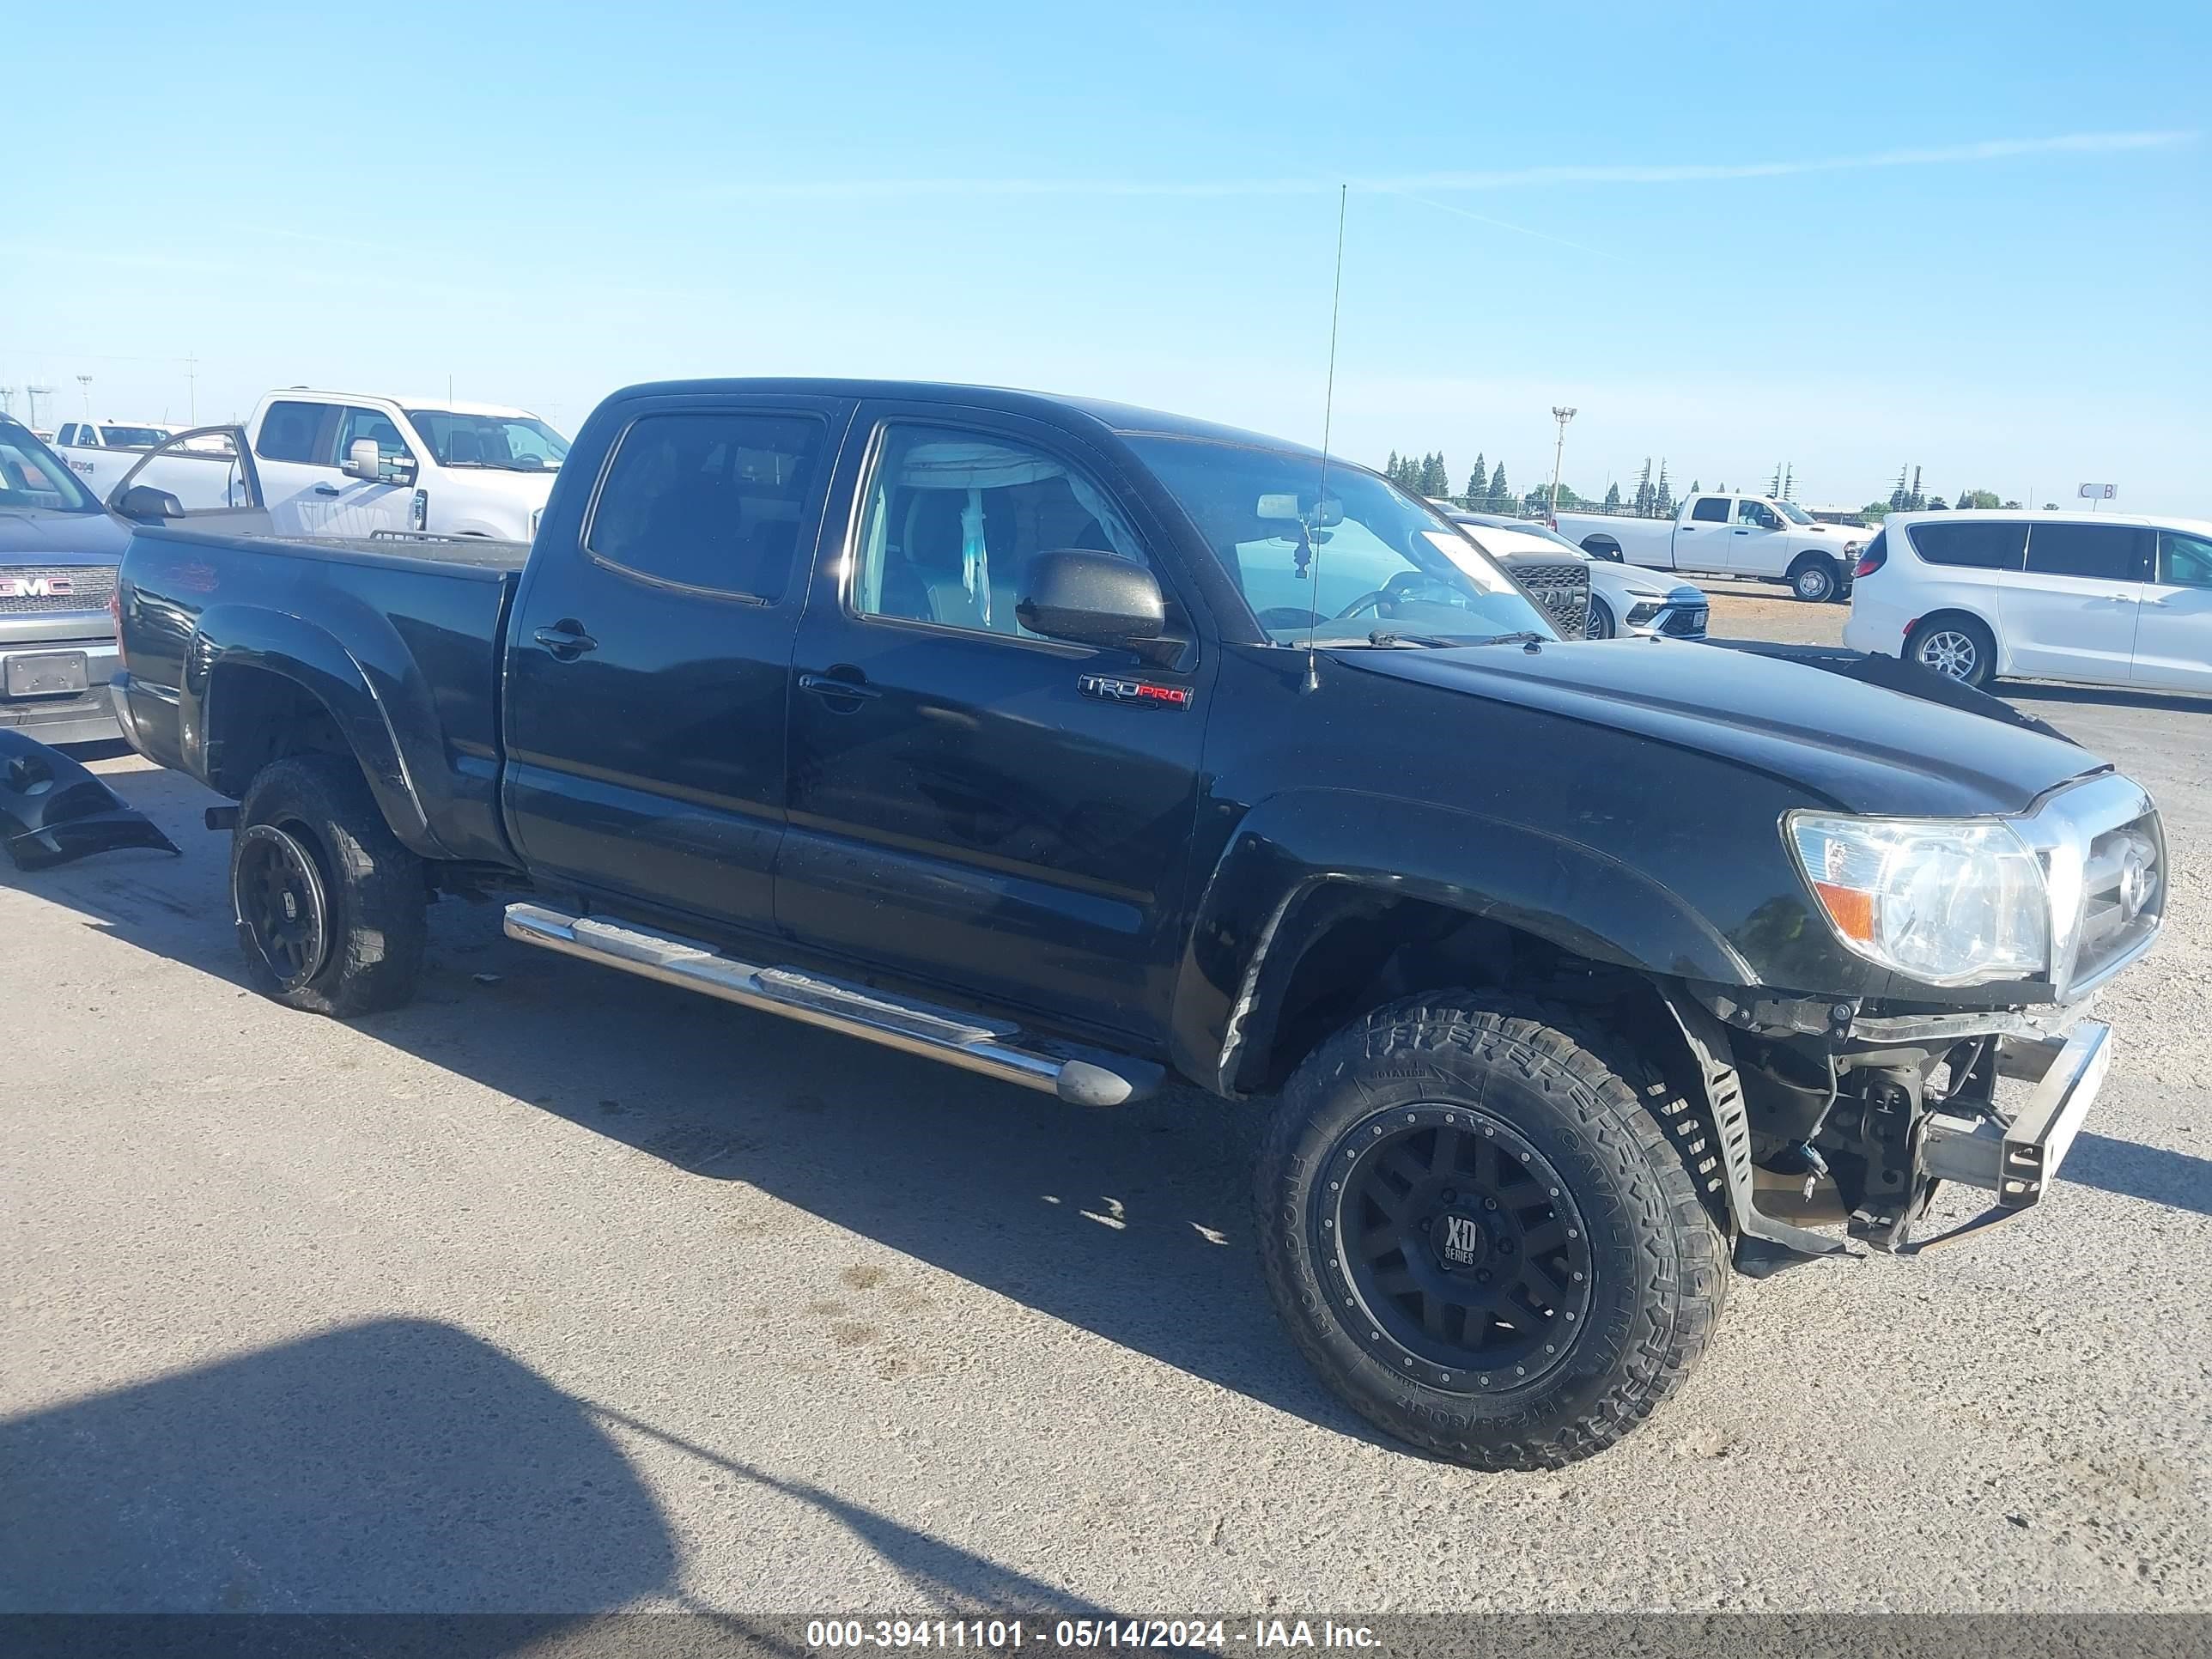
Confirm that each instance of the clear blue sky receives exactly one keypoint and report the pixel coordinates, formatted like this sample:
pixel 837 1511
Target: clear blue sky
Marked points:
pixel 1974 236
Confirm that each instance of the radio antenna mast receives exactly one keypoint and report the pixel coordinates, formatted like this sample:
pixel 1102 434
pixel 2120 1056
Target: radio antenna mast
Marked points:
pixel 1328 412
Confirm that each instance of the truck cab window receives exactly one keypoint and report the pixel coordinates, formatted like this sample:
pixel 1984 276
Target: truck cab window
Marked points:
pixel 1710 509
pixel 361 423
pixel 952 516
pixel 1757 513
pixel 713 500
pixel 299 431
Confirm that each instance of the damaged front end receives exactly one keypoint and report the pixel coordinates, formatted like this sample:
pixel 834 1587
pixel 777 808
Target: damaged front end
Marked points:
pixel 53 811
pixel 1856 1109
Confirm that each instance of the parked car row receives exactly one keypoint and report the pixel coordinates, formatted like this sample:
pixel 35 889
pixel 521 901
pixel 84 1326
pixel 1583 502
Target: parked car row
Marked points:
pixel 304 462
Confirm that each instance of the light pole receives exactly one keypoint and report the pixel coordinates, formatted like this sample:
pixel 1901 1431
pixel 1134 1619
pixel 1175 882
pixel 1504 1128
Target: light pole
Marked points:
pixel 1561 415
pixel 84 390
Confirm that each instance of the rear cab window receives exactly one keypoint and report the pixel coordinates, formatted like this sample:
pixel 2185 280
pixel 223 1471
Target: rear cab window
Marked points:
pixel 714 501
pixel 297 430
pixel 1972 544
pixel 1710 509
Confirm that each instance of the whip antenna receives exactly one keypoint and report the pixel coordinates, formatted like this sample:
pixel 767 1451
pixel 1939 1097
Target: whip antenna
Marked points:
pixel 1327 411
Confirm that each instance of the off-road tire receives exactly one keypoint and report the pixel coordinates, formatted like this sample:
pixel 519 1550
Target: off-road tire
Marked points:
pixel 372 887
pixel 1579 1098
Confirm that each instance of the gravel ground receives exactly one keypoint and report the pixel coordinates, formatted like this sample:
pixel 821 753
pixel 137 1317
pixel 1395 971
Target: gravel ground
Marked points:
pixel 559 1289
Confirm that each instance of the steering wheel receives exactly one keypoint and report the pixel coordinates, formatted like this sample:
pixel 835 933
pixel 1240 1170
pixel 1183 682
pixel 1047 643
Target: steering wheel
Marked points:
pixel 1397 588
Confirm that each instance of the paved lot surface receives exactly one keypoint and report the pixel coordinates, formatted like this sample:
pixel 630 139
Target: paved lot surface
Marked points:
pixel 560 1290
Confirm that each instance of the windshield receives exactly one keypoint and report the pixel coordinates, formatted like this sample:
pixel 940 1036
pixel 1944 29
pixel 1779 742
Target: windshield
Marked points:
pixel 1794 512
pixel 131 437
pixel 31 475
pixel 510 443
pixel 1367 560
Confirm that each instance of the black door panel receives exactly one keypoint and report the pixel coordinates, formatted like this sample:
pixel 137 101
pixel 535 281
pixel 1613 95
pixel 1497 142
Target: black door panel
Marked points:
pixel 960 810
pixel 649 657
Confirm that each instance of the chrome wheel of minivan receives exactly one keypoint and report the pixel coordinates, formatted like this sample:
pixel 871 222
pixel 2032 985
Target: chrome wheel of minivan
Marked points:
pixel 1950 653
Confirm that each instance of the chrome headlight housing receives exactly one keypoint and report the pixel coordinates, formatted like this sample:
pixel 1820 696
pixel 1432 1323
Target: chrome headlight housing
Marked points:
pixel 1941 900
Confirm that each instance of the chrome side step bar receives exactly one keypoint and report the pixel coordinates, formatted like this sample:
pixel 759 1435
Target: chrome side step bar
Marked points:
pixel 1081 1077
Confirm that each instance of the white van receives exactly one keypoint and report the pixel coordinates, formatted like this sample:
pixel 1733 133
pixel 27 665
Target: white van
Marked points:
pixel 342 464
pixel 2103 598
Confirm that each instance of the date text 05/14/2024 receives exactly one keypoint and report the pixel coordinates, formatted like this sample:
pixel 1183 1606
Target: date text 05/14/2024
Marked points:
pixel 1011 1635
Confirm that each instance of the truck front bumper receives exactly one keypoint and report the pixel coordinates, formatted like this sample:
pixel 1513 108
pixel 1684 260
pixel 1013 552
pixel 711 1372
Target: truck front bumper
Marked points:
pixel 2017 1160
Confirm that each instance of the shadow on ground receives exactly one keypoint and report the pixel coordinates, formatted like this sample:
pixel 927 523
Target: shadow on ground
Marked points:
pixel 2178 1180
pixel 398 1467
pixel 1133 1224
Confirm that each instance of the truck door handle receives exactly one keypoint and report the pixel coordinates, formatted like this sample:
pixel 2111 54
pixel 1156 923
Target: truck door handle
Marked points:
pixel 566 640
pixel 1743 532
pixel 328 489
pixel 835 688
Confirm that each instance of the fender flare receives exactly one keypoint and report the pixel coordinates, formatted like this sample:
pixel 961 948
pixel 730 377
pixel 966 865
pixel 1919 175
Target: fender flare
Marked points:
pixel 1256 915
pixel 358 697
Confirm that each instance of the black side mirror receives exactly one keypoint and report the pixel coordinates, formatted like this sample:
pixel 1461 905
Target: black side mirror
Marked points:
pixel 1090 598
pixel 143 504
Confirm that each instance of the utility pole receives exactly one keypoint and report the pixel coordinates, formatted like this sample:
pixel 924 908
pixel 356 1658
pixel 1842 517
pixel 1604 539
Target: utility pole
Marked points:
pixel 1561 415
pixel 32 394
pixel 192 392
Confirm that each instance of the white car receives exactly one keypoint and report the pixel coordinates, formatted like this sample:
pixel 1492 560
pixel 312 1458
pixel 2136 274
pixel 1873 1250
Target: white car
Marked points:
pixel 343 464
pixel 1624 600
pixel 2103 598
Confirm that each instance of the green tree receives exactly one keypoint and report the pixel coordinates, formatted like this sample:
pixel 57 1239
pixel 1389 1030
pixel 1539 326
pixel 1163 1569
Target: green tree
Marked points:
pixel 1981 498
pixel 1937 504
pixel 1612 494
pixel 1695 487
pixel 1501 492
pixel 1643 498
pixel 1478 484
pixel 1662 499
pixel 1874 512
pixel 1390 467
pixel 1436 477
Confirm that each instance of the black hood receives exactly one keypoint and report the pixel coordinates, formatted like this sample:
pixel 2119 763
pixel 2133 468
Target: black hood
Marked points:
pixel 35 535
pixel 1860 747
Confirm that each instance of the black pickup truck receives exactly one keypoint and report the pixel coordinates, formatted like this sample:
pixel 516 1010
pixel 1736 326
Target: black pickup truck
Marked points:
pixel 1079 745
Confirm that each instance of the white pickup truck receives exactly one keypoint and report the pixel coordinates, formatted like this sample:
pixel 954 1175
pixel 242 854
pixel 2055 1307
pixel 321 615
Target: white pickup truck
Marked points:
pixel 1755 537
pixel 101 451
pixel 341 464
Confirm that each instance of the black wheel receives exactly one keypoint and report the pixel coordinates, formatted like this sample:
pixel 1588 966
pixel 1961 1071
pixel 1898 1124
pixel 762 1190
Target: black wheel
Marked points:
pixel 330 906
pixel 1814 578
pixel 1481 1235
pixel 1600 625
pixel 1957 648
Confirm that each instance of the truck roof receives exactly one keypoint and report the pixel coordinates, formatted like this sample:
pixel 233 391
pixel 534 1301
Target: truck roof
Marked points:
pixel 1124 420
pixel 444 405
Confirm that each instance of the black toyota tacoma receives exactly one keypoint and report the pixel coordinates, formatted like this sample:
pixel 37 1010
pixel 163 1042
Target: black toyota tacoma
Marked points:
pixel 1080 745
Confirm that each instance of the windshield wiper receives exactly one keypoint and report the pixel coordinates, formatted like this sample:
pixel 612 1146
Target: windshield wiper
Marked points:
pixel 1432 641
pixel 1525 637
